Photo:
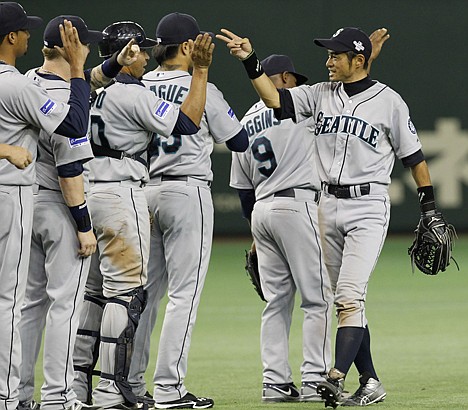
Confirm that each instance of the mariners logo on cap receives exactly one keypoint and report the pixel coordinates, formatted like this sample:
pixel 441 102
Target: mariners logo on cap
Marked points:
pixel 338 32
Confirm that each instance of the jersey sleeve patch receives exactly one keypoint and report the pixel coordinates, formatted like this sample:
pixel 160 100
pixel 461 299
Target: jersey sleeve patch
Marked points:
pixel 48 107
pixel 163 109
pixel 231 113
pixel 411 126
pixel 78 142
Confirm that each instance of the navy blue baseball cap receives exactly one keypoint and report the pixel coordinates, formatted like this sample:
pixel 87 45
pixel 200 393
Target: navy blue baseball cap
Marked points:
pixel 14 18
pixel 52 31
pixel 348 39
pixel 176 28
pixel 278 63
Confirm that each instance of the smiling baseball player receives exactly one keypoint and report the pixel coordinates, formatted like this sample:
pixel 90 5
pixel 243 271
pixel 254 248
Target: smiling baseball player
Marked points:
pixel 362 126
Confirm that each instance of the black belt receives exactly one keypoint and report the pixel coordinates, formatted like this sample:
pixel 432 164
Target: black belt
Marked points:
pixel 348 191
pixel 43 188
pixel 100 151
pixel 174 178
pixel 291 193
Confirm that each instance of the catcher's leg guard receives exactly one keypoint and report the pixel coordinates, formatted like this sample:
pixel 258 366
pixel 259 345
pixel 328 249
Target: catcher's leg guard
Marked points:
pixel 124 342
pixel 86 353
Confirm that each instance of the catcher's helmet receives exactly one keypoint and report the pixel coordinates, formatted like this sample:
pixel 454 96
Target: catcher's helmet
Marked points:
pixel 117 35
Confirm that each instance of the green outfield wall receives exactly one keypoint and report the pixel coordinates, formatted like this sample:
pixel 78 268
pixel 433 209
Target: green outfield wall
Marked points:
pixel 425 61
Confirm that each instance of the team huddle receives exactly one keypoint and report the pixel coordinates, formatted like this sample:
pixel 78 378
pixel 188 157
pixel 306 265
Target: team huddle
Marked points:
pixel 128 178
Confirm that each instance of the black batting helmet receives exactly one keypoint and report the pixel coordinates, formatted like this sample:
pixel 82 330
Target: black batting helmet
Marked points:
pixel 117 35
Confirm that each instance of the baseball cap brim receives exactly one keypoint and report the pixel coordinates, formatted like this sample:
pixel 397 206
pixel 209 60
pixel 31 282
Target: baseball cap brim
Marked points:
pixel 32 23
pixel 93 37
pixel 332 44
pixel 148 43
pixel 300 79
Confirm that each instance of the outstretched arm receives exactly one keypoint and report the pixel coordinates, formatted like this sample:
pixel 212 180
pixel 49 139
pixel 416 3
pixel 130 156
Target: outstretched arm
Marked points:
pixel 242 49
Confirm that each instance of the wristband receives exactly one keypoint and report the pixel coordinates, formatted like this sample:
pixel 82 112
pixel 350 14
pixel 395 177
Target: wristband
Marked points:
pixel 426 198
pixel 81 216
pixel 253 66
pixel 111 67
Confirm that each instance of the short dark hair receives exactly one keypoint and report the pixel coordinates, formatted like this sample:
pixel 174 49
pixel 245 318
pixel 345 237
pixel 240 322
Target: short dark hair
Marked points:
pixel 352 54
pixel 161 52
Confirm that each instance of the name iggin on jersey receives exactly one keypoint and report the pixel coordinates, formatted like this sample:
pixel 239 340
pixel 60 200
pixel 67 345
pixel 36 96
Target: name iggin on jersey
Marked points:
pixel 260 122
pixel 349 125
pixel 172 92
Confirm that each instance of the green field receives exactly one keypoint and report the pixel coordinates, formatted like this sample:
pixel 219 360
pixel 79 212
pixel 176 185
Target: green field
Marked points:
pixel 418 323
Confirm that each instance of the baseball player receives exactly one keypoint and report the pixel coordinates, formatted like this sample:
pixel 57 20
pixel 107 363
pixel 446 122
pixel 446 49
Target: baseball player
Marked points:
pixel 179 198
pixel 361 127
pixel 124 117
pixel 59 261
pixel 25 109
pixel 277 173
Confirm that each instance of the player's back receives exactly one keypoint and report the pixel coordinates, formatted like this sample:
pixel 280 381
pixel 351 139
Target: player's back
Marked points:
pixel 123 118
pixel 55 150
pixel 279 155
pixel 189 155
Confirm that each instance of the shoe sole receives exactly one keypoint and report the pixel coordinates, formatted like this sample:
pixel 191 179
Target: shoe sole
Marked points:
pixel 183 406
pixel 279 399
pixel 328 396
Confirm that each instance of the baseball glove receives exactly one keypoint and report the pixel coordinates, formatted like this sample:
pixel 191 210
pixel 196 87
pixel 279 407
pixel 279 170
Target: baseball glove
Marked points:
pixel 431 250
pixel 251 268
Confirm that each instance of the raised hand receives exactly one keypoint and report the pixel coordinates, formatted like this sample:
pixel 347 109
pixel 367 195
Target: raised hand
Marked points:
pixel 129 53
pixel 378 38
pixel 73 50
pixel 238 47
pixel 202 50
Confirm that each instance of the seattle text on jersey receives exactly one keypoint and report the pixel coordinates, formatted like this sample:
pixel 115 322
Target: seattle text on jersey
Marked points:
pixel 349 125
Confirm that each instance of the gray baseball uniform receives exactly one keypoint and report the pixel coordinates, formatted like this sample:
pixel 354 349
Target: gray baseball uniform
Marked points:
pixel 57 274
pixel 179 198
pixel 357 141
pixel 25 108
pixel 123 118
pixel 285 229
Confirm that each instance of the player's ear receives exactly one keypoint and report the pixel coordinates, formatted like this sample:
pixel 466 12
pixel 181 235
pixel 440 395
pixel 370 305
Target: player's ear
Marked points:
pixel 360 60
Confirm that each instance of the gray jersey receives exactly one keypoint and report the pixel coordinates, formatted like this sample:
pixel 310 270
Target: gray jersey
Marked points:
pixel 123 117
pixel 357 137
pixel 55 150
pixel 284 222
pixel 278 156
pixel 190 154
pixel 25 107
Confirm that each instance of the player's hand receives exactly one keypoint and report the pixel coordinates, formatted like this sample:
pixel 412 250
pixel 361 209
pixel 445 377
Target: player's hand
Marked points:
pixel 378 38
pixel 73 50
pixel 129 53
pixel 20 157
pixel 87 243
pixel 202 50
pixel 238 47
